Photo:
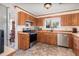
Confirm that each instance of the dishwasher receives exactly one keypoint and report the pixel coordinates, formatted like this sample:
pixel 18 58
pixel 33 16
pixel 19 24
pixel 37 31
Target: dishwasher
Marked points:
pixel 62 40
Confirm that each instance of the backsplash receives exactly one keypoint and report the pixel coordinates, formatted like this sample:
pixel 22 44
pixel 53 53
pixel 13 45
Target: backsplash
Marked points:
pixel 69 28
pixel 20 27
pixel 65 28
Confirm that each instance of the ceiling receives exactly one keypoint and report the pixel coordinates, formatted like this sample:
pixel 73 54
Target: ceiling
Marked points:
pixel 38 8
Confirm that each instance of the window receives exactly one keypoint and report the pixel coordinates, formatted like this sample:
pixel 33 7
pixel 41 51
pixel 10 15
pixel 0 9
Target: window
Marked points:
pixel 52 23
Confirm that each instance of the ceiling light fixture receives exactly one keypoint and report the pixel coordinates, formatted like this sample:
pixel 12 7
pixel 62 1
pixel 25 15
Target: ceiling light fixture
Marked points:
pixel 47 5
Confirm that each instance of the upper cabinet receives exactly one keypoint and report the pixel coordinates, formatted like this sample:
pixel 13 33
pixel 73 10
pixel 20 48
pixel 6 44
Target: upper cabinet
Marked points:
pixel 22 17
pixel 40 21
pixel 70 20
pixel 75 18
pixel 66 20
pixel 33 19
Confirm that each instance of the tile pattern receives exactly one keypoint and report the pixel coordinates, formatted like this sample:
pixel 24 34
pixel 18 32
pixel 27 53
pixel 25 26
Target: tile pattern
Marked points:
pixel 40 49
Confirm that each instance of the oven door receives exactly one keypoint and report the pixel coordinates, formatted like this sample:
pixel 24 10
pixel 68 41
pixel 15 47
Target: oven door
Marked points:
pixel 33 39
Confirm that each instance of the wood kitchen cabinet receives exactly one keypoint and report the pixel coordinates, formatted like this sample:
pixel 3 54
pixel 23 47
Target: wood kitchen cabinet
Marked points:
pixel 66 20
pixel 70 40
pixel 75 19
pixel 70 20
pixel 78 19
pixel 22 17
pixel 52 38
pixel 33 20
pixel 23 40
pixel 40 21
pixel 47 37
pixel 41 37
pixel 76 45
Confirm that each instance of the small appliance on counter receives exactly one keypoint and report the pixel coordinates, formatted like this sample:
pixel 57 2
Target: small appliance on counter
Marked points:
pixel 74 30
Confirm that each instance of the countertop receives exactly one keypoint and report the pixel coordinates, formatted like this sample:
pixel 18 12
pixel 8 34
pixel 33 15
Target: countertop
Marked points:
pixel 23 32
pixel 64 32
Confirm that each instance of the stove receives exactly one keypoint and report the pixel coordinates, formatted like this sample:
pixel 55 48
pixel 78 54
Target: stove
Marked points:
pixel 33 37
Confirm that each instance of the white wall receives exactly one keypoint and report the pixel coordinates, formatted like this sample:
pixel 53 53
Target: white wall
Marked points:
pixel 3 22
pixel 13 16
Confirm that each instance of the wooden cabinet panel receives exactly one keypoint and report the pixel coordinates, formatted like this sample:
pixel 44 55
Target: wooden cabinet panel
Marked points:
pixel 20 41
pixel 47 37
pixel 40 22
pixel 77 19
pixel 23 41
pixel 76 45
pixel 33 20
pixel 22 17
pixel 66 20
pixel 74 18
pixel 52 38
pixel 70 20
pixel 41 37
pixel 70 40
pixel 63 20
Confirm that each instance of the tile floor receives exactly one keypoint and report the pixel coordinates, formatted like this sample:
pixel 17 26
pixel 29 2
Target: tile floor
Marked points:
pixel 40 49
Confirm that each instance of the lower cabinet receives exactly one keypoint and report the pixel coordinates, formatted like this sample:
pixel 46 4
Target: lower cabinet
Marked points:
pixel 52 38
pixel 47 37
pixel 70 40
pixel 41 37
pixel 23 41
pixel 76 46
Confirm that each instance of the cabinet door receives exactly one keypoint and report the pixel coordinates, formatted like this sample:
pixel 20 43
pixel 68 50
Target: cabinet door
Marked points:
pixel 26 41
pixel 63 20
pixel 52 39
pixel 40 21
pixel 70 41
pixel 33 20
pixel 23 41
pixel 76 45
pixel 74 18
pixel 22 17
pixel 20 41
pixel 77 19
pixel 66 20
pixel 69 20
pixel 41 37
